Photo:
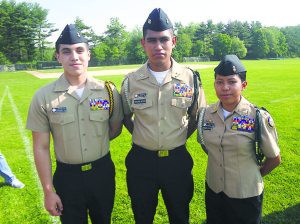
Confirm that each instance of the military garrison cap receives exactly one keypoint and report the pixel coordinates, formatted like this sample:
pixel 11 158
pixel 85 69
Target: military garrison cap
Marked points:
pixel 157 21
pixel 70 35
pixel 230 65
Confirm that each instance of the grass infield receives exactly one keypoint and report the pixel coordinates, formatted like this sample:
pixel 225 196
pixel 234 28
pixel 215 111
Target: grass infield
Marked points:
pixel 273 84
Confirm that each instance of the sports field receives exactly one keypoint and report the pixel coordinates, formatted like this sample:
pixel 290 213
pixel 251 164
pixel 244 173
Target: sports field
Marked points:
pixel 274 84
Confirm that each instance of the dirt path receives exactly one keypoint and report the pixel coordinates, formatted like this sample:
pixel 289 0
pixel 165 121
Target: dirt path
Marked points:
pixel 104 72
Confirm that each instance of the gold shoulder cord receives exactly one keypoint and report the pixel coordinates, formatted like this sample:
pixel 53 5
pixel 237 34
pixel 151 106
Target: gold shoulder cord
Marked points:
pixel 111 97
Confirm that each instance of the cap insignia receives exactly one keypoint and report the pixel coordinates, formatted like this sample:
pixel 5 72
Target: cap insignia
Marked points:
pixel 233 68
pixel 149 21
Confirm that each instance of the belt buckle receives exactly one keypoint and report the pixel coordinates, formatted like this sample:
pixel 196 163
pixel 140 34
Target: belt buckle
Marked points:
pixel 86 167
pixel 163 153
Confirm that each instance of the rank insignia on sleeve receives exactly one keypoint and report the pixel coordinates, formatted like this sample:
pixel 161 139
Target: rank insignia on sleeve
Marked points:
pixel 182 90
pixel 270 122
pixel 99 104
pixel 243 123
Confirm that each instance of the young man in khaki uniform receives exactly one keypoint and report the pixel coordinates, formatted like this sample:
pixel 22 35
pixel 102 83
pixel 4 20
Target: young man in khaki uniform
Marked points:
pixel 156 99
pixel 226 131
pixel 82 114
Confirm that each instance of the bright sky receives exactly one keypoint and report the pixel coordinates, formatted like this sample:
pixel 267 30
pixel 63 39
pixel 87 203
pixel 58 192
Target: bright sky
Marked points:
pixel 132 13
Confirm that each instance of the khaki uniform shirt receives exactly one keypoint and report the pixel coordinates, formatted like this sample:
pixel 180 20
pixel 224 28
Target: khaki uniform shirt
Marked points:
pixel 160 110
pixel 79 126
pixel 230 143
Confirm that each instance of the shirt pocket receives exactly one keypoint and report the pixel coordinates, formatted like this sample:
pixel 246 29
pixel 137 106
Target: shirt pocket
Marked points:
pixel 181 102
pixel 99 120
pixel 63 125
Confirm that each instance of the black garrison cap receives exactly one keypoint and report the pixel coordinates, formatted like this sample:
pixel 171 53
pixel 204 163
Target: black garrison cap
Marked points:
pixel 70 35
pixel 230 65
pixel 157 21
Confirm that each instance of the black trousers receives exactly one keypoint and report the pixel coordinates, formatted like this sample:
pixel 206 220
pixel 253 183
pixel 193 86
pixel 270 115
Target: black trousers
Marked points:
pixel 221 209
pixel 147 173
pixel 86 192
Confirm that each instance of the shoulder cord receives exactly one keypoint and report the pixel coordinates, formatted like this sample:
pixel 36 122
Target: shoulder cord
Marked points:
pixel 197 84
pixel 111 97
pixel 258 153
pixel 126 90
pixel 200 128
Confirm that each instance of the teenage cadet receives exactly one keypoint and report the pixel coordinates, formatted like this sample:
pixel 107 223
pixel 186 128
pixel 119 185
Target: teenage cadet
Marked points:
pixel 82 114
pixel 156 99
pixel 226 131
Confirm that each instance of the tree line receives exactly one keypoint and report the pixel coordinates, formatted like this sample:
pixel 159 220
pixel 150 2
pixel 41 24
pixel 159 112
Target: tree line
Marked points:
pixel 24 30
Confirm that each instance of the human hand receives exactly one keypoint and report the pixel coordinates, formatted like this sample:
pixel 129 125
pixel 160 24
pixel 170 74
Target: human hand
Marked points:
pixel 53 204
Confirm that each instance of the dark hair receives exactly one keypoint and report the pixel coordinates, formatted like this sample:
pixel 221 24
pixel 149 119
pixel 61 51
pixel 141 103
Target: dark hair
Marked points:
pixel 57 46
pixel 241 75
pixel 145 32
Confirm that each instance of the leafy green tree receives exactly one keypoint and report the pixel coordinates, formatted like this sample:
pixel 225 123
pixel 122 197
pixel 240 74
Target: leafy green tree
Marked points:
pixel 222 45
pixel 276 42
pixel 116 39
pixel 292 36
pixel 238 48
pixel 23 30
pixel 3 59
pixel 183 47
pixel 260 47
pixel 136 54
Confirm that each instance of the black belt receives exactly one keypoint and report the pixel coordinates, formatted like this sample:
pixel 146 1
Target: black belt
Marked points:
pixel 65 167
pixel 159 153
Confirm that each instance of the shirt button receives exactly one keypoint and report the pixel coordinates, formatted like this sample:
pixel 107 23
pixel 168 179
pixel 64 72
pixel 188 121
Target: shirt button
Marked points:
pixel 162 133
pixel 82 119
pixel 83 134
pixel 85 149
pixel 221 178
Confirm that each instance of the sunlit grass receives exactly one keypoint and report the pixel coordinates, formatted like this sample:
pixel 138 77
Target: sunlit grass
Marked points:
pixel 273 84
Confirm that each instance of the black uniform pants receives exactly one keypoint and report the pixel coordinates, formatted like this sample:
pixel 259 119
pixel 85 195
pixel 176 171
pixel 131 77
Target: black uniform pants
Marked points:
pixel 86 192
pixel 221 209
pixel 147 173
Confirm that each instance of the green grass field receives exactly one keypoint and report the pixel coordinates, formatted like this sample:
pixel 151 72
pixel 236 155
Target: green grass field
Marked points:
pixel 273 84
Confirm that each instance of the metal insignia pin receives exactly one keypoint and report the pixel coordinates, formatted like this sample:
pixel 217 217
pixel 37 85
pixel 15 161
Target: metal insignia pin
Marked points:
pixel 149 21
pixel 233 68
pixel 78 35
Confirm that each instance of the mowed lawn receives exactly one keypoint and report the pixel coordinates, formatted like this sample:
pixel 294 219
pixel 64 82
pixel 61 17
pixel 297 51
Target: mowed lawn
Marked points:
pixel 274 84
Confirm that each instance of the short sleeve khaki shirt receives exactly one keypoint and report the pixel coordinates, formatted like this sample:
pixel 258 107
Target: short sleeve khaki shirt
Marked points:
pixel 230 143
pixel 160 110
pixel 79 126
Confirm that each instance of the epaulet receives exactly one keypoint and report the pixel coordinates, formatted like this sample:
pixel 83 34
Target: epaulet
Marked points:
pixel 111 96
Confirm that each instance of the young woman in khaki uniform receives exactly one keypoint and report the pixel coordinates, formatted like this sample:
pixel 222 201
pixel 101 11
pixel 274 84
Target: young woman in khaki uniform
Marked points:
pixel 226 130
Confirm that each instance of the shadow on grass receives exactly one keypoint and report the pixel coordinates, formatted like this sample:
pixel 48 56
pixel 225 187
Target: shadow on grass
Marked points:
pixel 290 215
pixel 4 184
